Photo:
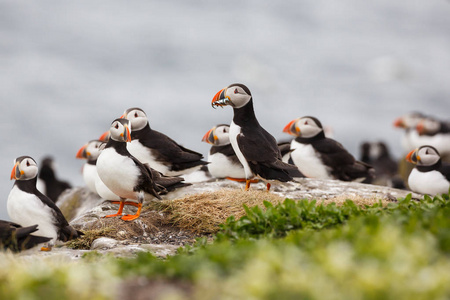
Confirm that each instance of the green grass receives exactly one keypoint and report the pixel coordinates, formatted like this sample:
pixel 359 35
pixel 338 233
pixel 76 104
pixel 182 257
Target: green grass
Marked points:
pixel 293 250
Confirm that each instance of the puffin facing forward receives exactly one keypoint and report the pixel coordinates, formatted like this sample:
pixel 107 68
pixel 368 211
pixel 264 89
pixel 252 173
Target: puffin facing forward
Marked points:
pixel 256 149
pixel 317 156
pixel 431 175
pixel 155 148
pixel 27 206
pixel 125 175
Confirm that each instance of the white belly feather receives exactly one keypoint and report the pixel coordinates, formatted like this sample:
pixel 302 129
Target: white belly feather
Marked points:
pixel 304 157
pixel 432 183
pixel 119 173
pixel 89 176
pixel 144 155
pixel 235 130
pixel 220 166
pixel 27 209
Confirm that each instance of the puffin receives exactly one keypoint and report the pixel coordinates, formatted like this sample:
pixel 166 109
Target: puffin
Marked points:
pixel 28 207
pixel 377 155
pixel 431 175
pixel 317 156
pixel 256 149
pixel 54 187
pixel 435 133
pixel 17 238
pixel 90 152
pixel 408 123
pixel 125 175
pixel 155 148
pixel 223 162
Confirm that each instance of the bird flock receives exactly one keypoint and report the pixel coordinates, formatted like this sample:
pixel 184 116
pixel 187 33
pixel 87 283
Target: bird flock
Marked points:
pixel 132 163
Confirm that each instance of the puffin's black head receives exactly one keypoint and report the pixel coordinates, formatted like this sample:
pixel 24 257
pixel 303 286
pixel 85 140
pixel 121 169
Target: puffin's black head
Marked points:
pixel 137 117
pixel 120 130
pixel 236 95
pixel 25 168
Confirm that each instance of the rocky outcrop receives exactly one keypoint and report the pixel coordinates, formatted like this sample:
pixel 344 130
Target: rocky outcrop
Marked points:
pixel 85 211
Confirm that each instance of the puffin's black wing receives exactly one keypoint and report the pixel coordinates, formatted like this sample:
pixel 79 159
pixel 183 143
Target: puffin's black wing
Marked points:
pixel 344 166
pixel 145 181
pixel 261 151
pixel 169 150
pixel 17 238
pixel 445 170
pixel 166 183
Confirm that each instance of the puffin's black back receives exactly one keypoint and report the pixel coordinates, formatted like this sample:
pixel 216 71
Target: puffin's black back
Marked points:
pixel 16 238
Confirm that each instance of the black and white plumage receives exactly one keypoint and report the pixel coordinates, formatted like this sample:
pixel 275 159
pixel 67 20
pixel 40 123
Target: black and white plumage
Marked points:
pixel 17 238
pixel 223 162
pixel 256 149
pixel 317 156
pixel 27 206
pixel 431 175
pixel 125 175
pixel 53 186
pixel 435 133
pixel 155 148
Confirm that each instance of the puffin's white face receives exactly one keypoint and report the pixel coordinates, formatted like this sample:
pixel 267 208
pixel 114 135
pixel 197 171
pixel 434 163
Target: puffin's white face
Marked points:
pixel 93 149
pixel 235 95
pixel 424 156
pixel 24 168
pixel 307 127
pixel 218 135
pixel 137 117
pixel 409 120
pixel 120 130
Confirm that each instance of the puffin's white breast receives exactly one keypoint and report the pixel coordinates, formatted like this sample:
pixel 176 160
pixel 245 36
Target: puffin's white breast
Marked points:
pixel 220 166
pixel 89 176
pixel 27 209
pixel 432 182
pixel 235 130
pixel 119 173
pixel 305 158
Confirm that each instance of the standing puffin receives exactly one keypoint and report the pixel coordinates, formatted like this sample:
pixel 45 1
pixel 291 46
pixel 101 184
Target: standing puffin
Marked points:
pixel 155 148
pixel 125 175
pixel 431 175
pixel 256 149
pixel 317 156
pixel 223 162
pixel 27 206
pixel 16 238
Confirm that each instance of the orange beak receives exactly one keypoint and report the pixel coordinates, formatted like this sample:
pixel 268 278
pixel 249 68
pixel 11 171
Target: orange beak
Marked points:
pixel 82 154
pixel 291 128
pixel 126 133
pixel 420 128
pixel 123 116
pixel 399 123
pixel 412 157
pixel 16 172
pixel 210 137
pixel 220 99
pixel 104 137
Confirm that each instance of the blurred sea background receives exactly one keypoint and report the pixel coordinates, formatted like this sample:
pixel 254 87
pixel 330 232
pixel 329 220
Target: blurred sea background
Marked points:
pixel 68 68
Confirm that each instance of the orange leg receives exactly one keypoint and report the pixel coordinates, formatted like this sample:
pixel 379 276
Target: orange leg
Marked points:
pixel 133 217
pixel 268 186
pixel 126 203
pixel 46 248
pixel 242 179
pixel 119 212
pixel 247 184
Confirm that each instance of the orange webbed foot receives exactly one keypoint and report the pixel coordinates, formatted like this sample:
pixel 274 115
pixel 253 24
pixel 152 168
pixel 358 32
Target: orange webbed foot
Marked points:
pixel 48 248
pixel 114 215
pixel 130 217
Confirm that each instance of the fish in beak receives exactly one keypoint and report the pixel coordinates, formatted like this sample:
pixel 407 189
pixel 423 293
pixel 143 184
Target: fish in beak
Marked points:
pixel 220 99
pixel 210 136
pixel 412 157
pixel 292 129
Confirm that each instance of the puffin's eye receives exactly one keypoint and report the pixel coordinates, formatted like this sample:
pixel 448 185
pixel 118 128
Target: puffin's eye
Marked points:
pixel 28 163
pixel 136 115
pixel 236 91
pixel 117 126
pixel 306 122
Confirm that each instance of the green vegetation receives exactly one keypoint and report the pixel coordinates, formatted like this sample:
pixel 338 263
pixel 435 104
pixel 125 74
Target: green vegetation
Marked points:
pixel 291 250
